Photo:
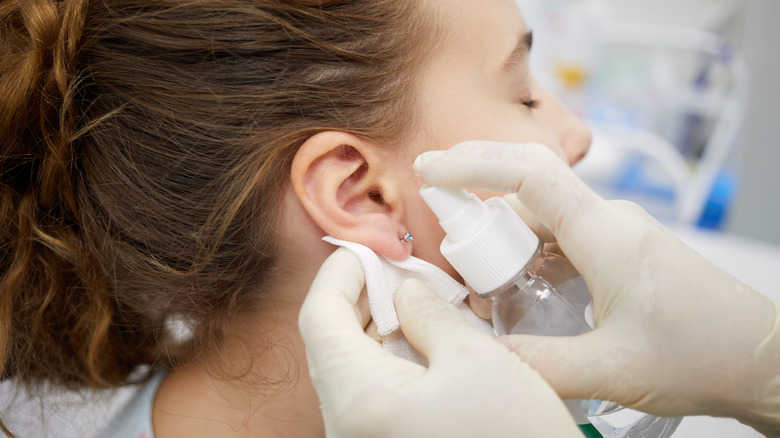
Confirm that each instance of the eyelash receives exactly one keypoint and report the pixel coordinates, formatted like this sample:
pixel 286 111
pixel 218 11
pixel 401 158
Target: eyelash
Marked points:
pixel 531 104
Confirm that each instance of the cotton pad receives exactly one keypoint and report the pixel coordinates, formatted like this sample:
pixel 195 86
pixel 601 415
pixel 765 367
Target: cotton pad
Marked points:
pixel 384 277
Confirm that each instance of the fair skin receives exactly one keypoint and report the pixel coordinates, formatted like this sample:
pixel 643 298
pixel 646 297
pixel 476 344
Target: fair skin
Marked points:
pixel 467 90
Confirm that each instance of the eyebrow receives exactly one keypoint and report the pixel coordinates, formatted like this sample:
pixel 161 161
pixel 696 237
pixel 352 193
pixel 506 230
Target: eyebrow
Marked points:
pixel 520 51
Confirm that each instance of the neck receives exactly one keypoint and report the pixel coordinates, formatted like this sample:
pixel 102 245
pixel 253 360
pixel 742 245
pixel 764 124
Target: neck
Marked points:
pixel 258 384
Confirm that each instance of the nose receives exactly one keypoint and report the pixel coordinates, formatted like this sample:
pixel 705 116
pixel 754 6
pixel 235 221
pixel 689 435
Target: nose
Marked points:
pixel 574 136
pixel 576 140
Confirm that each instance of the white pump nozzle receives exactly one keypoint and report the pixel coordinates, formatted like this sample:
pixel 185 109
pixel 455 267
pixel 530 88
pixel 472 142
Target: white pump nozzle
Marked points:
pixel 487 243
pixel 458 210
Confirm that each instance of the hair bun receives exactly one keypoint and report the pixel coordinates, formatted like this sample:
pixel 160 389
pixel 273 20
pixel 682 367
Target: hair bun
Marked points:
pixel 40 254
pixel 39 44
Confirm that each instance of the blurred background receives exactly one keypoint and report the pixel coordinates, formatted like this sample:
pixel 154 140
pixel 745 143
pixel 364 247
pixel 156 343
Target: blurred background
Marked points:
pixel 683 97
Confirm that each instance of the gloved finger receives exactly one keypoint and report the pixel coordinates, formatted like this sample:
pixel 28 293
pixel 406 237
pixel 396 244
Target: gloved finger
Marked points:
pixel 363 310
pixel 337 349
pixel 430 324
pixel 544 183
pixel 336 288
pixel 579 367
pixel 529 218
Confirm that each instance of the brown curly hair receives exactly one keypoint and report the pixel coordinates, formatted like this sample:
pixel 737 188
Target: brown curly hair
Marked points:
pixel 144 149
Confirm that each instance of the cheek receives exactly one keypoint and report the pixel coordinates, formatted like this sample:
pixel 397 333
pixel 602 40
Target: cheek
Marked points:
pixel 527 128
pixel 505 123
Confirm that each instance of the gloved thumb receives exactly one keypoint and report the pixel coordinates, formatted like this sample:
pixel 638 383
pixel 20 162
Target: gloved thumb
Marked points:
pixel 434 327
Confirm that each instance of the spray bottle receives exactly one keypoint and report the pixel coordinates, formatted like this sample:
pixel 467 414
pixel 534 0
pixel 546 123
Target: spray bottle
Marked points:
pixel 533 292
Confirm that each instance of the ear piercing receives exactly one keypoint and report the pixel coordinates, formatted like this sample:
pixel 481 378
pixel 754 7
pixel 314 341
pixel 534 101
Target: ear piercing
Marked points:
pixel 407 238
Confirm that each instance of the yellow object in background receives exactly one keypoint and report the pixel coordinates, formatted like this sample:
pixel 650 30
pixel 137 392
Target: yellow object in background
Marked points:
pixel 571 75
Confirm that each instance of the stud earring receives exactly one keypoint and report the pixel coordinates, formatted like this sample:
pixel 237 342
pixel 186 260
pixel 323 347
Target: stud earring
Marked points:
pixel 408 238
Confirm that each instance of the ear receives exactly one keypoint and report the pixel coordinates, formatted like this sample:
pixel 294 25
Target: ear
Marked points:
pixel 350 191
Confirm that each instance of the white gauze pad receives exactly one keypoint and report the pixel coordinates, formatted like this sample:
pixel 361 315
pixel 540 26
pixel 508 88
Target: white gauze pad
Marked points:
pixel 384 277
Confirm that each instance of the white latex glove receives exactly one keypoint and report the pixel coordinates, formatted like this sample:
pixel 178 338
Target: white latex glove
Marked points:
pixel 675 334
pixel 473 386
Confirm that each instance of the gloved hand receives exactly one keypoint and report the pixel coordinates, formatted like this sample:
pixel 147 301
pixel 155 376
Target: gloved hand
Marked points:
pixel 675 335
pixel 473 386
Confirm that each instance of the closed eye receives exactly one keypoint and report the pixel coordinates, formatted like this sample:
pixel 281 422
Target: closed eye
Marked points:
pixel 531 103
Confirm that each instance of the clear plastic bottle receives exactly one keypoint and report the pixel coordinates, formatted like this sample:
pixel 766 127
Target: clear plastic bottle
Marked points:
pixel 533 292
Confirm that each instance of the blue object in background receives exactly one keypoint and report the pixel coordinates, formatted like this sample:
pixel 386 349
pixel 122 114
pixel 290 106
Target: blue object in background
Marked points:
pixel 716 210
pixel 635 179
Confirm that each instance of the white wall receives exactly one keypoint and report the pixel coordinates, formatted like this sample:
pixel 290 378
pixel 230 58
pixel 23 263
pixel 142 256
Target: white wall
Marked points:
pixel 757 210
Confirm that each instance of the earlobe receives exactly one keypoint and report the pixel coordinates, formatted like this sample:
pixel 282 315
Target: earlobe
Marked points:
pixel 349 191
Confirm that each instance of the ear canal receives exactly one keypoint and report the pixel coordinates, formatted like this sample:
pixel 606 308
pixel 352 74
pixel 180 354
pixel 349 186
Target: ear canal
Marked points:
pixel 375 194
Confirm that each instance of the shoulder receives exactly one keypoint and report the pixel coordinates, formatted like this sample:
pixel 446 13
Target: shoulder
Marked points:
pixel 134 420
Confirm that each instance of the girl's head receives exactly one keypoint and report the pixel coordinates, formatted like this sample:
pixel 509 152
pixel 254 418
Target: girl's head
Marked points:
pixel 474 83
pixel 176 159
pixel 146 151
